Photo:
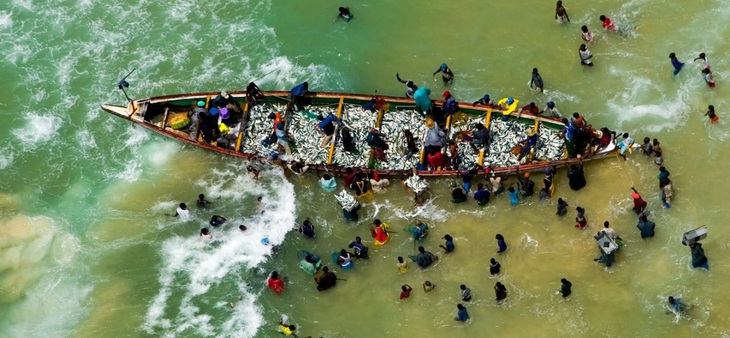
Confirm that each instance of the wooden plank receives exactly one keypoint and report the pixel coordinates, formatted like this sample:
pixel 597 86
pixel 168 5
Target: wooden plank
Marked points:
pixel 334 137
pixel 242 130
pixel 164 118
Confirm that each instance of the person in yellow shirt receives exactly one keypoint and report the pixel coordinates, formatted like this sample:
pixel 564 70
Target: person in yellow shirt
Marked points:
pixel 402 265
pixel 509 104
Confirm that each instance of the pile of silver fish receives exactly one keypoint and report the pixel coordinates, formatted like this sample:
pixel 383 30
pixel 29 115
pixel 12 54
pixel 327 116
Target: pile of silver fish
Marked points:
pixel 505 135
pixel 347 201
pixel 307 137
pixel 416 183
pixel 468 157
pixel 259 127
pixel 392 127
pixel 359 122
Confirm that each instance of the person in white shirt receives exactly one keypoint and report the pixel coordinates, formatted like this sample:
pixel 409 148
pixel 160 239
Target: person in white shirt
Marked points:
pixel 183 212
pixel 610 232
pixel 204 233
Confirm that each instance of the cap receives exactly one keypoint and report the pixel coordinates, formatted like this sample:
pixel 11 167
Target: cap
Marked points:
pixel 510 100
pixel 551 104
pixel 527 175
pixel 486 98
pixel 447 94
pixel 530 132
pixel 213 111
pixel 429 123
pixel 373 130
pixel 546 170
pixel 201 103
pixel 635 195
pixel 443 67
pixel 225 95
pixel 272 116
pixel 224 113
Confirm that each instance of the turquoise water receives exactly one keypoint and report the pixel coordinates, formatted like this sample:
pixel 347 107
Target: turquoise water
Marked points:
pixel 86 248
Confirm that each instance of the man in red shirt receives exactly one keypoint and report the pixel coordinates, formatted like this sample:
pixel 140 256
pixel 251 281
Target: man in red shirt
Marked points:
pixel 406 291
pixel 608 24
pixel 530 109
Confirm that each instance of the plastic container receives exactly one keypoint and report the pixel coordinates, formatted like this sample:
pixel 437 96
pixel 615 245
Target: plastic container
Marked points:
pixel 694 235
pixel 605 243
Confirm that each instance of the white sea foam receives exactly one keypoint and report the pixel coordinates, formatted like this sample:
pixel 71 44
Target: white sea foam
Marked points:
pixel 6 20
pixel 38 129
pixel 193 267
pixel 85 139
pixel 6 158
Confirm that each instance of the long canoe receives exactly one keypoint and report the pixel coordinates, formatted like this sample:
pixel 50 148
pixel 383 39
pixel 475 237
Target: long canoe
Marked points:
pixel 154 114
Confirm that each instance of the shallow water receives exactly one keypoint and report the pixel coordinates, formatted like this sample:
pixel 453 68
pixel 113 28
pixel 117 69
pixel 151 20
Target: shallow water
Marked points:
pixel 86 249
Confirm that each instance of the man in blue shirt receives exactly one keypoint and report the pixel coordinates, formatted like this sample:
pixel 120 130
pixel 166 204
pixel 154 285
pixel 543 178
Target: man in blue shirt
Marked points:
pixel 462 315
pixel 646 227
pixel 297 94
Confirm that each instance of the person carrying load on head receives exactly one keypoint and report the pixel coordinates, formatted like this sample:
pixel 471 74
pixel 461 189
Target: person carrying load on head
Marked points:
pixel 327 125
pixel 508 104
pixel 297 95
pixel 446 74
pixel 410 87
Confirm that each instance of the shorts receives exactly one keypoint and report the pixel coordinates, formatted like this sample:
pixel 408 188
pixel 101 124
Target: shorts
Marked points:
pixel 716 118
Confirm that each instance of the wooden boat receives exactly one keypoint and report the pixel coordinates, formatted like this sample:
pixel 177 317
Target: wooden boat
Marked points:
pixel 156 113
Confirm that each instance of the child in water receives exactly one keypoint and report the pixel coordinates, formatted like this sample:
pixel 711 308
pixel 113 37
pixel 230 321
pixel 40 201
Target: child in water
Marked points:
pixel 708 77
pixel 711 114
pixel 580 219
pixel 608 24
pixel 586 35
pixel 675 63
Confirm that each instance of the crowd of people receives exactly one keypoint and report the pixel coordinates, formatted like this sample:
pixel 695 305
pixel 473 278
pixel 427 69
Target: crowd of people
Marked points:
pixel 581 140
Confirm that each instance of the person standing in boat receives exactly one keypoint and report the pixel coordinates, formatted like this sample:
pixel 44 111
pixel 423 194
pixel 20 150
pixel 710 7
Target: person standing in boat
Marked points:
pixel 446 74
pixel 348 142
pixel 281 138
pixel 423 101
pixel 480 138
pixel 327 126
pixel 410 86
pixel 297 95
pixel 253 94
pixel 377 143
pixel 450 106
pixel 196 118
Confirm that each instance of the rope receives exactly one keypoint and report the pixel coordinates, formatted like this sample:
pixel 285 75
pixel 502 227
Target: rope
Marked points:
pixel 625 167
